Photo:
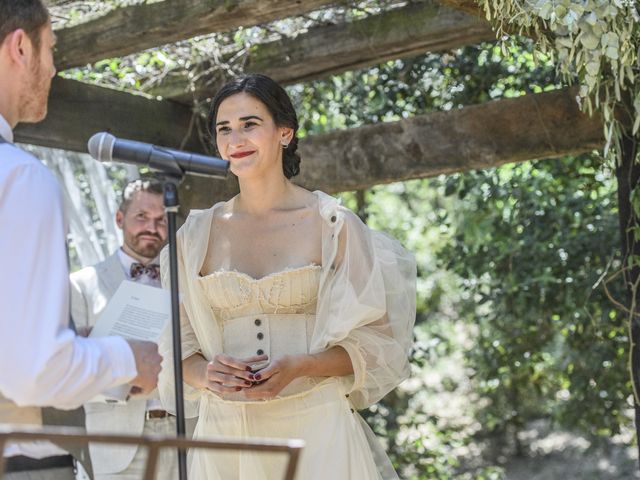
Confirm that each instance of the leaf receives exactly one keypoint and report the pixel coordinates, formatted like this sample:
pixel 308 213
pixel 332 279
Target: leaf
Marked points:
pixel 589 41
pixel 591 18
pixel 592 68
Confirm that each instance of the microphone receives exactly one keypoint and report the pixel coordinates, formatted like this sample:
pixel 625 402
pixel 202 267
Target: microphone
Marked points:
pixel 104 147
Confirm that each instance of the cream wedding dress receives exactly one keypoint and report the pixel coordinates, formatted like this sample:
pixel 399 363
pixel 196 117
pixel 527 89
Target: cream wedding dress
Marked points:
pixel 362 298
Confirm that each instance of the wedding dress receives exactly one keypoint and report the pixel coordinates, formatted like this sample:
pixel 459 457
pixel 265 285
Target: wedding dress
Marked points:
pixel 362 298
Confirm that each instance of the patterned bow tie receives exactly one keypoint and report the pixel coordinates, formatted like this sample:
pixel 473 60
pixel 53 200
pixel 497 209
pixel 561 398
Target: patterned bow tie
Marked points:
pixel 152 270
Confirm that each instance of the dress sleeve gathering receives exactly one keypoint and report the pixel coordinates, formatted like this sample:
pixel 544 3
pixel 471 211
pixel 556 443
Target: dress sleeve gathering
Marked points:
pixel 367 305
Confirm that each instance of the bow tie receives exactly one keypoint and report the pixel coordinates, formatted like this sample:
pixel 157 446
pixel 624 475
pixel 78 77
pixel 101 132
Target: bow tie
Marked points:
pixel 152 270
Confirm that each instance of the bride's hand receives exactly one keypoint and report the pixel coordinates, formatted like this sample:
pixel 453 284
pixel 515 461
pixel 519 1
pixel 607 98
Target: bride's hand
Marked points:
pixel 225 374
pixel 280 373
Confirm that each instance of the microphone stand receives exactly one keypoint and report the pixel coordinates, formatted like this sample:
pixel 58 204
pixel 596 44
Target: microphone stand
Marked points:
pixel 171 205
pixel 172 165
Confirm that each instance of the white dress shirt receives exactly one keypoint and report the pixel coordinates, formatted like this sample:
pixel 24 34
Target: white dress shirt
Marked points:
pixel 49 364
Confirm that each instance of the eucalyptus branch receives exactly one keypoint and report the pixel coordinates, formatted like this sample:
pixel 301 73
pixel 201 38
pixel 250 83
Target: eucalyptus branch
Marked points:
pixel 595 44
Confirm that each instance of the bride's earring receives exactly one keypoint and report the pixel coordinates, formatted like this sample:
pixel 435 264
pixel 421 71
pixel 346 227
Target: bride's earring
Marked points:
pixel 284 144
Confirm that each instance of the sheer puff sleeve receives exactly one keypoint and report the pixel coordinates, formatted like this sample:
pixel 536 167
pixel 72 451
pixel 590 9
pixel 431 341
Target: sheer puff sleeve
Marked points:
pixel 198 330
pixel 366 303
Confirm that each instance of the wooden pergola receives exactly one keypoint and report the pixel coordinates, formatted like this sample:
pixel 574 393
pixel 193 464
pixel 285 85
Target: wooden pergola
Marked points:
pixel 529 127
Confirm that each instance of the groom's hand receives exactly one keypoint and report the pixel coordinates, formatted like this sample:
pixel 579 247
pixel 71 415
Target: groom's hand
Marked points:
pixel 148 366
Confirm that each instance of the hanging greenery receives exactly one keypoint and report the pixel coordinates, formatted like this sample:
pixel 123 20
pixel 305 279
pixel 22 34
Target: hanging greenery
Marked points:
pixel 594 42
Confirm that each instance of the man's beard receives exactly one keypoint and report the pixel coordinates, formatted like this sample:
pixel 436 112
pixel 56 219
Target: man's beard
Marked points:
pixel 147 250
pixel 35 97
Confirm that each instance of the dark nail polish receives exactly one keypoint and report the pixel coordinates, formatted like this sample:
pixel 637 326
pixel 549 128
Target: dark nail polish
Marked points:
pixel 248 369
pixel 251 376
pixel 247 382
pixel 258 377
pixel 238 389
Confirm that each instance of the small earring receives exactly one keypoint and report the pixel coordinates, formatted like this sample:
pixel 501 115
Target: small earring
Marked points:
pixel 284 145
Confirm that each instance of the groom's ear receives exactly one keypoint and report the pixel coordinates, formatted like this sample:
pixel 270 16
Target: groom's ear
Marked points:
pixel 120 219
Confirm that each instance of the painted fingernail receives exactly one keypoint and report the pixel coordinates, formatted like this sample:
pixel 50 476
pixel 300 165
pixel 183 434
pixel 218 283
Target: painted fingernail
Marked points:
pixel 252 376
pixel 258 377
pixel 247 382
pixel 248 369
pixel 238 389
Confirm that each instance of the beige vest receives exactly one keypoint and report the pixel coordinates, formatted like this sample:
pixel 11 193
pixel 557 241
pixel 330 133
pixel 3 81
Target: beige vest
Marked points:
pixel 15 416
pixel 12 414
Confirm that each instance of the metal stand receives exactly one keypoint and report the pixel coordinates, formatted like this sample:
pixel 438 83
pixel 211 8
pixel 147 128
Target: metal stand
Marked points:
pixel 173 164
pixel 171 205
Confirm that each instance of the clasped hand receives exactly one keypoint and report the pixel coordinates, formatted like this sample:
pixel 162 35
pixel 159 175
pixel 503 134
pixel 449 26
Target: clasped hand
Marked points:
pixel 225 375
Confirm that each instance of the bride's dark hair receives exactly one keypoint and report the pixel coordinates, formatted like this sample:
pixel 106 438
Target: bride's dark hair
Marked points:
pixel 275 98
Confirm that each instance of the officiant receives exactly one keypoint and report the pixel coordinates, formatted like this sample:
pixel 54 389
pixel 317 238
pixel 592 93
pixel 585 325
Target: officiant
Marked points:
pixel 141 217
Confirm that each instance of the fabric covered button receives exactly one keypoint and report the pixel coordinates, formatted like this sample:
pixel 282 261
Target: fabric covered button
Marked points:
pixel 258 322
pixel 333 219
pixel 260 351
pixel 260 336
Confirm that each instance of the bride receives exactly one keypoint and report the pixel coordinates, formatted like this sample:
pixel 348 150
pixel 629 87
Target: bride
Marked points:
pixel 294 314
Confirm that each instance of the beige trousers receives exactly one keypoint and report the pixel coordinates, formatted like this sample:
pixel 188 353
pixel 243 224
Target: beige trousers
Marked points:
pixel 167 466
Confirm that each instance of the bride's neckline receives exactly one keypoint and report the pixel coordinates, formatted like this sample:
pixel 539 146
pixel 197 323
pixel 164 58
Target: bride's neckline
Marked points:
pixel 311 266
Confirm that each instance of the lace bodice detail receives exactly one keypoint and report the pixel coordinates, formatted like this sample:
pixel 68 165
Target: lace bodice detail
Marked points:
pixel 234 294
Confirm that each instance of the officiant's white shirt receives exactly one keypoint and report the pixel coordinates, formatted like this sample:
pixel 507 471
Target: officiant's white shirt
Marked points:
pixel 42 361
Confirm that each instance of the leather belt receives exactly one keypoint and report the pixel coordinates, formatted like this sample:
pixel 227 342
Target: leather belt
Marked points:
pixel 20 463
pixel 149 414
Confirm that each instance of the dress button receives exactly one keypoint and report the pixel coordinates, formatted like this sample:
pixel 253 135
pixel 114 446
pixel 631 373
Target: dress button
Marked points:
pixel 333 219
pixel 260 351
pixel 260 336
pixel 352 410
pixel 258 322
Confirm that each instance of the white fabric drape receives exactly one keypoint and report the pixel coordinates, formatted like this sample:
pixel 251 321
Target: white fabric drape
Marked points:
pixel 91 206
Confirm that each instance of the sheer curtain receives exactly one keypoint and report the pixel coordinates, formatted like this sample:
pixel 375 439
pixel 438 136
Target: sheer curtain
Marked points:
pixel 91 195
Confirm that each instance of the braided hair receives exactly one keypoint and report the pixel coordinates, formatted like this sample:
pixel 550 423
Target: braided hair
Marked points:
pixel 275 98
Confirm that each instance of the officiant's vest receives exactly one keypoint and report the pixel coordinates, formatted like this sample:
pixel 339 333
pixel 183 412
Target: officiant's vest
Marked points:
pixel 14 415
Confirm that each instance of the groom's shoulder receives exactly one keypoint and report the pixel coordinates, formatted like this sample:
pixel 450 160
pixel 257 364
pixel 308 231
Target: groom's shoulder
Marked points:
pixel 16 160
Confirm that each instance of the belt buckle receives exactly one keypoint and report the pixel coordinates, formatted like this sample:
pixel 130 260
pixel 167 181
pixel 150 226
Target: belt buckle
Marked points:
pixel 149 414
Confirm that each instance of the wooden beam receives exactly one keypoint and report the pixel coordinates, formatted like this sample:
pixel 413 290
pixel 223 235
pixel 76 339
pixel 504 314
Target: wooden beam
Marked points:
pixel 324 51
pixel 134 28
pixel 55 3
pixel 512 130
pixel 467 6
pixel 78 110
pixel 472 7
pixel 481 136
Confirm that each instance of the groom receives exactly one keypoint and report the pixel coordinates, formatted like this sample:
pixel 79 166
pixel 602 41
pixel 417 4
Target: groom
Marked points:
pixel 142 220
pixel 42 362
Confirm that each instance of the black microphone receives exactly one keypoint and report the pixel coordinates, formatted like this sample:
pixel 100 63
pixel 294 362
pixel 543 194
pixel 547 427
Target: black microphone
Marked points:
pixel 104 147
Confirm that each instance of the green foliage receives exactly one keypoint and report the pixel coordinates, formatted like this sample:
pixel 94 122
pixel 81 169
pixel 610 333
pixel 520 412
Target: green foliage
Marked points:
pixel 536 240
pixel 403 88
